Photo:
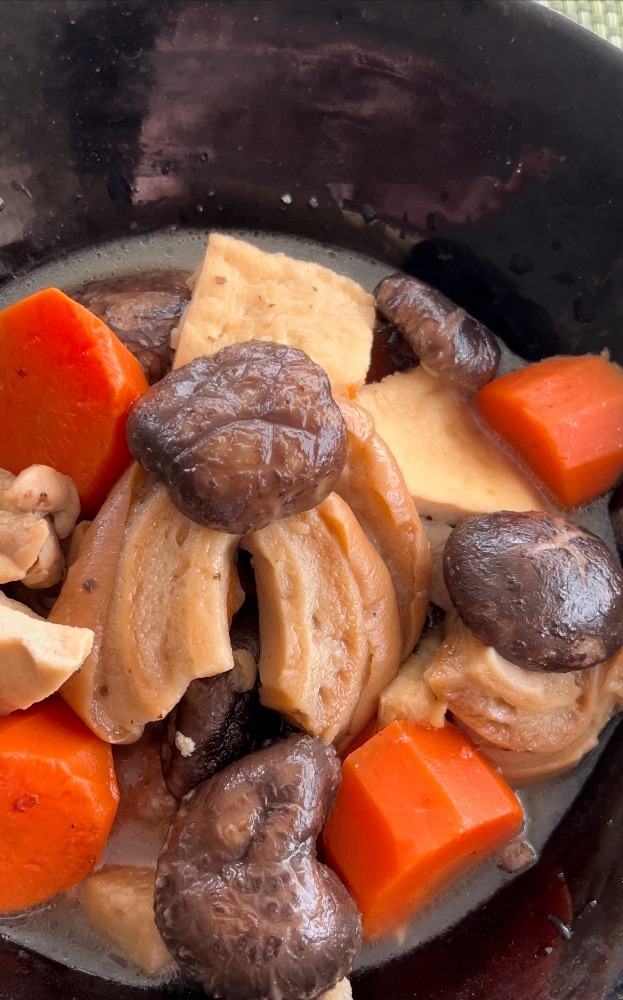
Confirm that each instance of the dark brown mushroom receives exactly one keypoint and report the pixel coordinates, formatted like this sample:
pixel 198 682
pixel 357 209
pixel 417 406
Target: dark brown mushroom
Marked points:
pixel 447 340
pixel 241 901
pixel 142 310
pixel 216 720
pixel 390 352
pixel 543 592
pixel 243 437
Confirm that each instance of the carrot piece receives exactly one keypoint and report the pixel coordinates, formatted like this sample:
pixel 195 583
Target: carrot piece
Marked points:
pixel 58 798
pixel 66 384
pixel 416 808
pixel 564 415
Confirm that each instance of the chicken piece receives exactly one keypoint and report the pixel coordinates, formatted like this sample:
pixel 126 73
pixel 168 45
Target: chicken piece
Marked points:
pixel 36 657
pixel 451 465
pixel 119 902
pixel 37 507
pixel 29 549
pixel 329 625
pixel 531 724
pixel 374 488
pixel 243 293
pixel 159 593
pixel 408 696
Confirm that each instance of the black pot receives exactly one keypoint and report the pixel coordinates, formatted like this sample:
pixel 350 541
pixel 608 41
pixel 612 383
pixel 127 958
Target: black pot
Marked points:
pixel 475 143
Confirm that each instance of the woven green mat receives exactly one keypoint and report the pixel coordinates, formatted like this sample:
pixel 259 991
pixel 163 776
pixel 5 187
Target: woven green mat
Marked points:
pixel 604 17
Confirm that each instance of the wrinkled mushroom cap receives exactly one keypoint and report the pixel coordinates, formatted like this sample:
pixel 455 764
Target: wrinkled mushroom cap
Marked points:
pixel 544 592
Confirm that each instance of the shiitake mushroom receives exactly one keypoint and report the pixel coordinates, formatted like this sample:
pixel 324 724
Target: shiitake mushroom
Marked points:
pixel 241 900
pixel 542 591
pixel 448 341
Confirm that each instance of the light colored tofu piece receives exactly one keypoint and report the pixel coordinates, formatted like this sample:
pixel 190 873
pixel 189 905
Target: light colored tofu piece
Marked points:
pixel 452 467
pixel 119 901
pixel 243 293
pixel 36 657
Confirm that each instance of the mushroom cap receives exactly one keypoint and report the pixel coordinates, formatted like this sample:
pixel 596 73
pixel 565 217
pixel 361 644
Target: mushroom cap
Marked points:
pixel 448 341
pixel 542 591
pixel 243 437
pixel 142 310
pixel 241 900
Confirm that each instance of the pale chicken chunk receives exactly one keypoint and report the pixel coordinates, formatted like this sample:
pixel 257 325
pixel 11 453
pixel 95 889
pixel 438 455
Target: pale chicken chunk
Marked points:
pixel 452 467
pixel 242 293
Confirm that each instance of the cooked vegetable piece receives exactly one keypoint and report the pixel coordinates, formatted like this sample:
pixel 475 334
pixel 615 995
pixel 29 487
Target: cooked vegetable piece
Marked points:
pixel 58 798
pixel 67 384
pixel 416 807
pixel 531 725
pixel 374 488
pixel 36 657
pixel 409 696
pixel 242 293
pixel 564 415
pixel 241 900
pixel 438 533
pixel 544 592
pixel 381 620
pixel 85 598
pixel 329 626
pixel 448 341
pixel 119 901
pixel 451 466
pixel 142 310
pixel 159 593
pixel 243 437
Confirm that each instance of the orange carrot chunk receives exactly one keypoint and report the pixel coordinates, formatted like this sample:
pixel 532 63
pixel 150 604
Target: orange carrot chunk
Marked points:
pixel 58 798
pixel 417 807
pixel 66 385
pixel 564 415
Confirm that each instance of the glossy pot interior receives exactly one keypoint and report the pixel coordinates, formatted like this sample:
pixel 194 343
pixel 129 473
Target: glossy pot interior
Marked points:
pixel 474 143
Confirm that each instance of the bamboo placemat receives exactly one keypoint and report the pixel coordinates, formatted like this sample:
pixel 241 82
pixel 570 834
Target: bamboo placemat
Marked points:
pixel 604 17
